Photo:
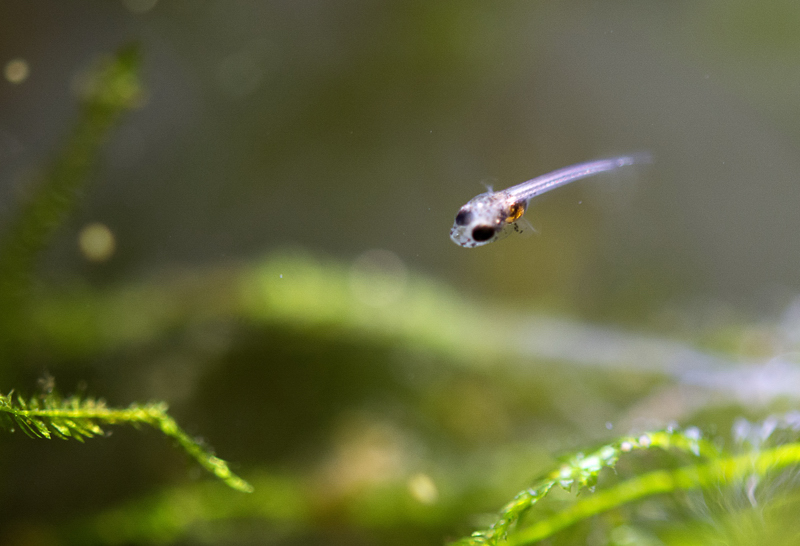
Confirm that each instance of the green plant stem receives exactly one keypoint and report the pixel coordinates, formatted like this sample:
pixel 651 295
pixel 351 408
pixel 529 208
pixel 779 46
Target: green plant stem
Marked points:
pixel 723 471
pixel 78 418
pixel 107 91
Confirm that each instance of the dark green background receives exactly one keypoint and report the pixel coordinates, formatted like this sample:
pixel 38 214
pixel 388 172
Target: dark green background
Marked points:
pixel 334 128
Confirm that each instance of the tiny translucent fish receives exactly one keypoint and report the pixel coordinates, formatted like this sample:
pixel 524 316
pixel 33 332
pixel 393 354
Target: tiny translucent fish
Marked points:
pixel 492 215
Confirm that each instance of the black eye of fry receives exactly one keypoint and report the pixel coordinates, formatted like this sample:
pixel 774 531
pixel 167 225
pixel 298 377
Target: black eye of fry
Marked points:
pixel 483 233
pixel 463 217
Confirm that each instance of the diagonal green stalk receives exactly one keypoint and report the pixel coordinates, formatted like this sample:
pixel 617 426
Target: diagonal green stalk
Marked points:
pixel 76 418
pixel 583 470
pixel 107 91
pixel 720 471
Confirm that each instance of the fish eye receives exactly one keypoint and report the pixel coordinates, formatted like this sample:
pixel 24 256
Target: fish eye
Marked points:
pixel 483 233
pixel 464 217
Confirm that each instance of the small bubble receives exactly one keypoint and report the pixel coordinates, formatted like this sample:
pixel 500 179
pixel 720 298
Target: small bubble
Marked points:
pixel 17 70
pixel 626 446
pixel 609 425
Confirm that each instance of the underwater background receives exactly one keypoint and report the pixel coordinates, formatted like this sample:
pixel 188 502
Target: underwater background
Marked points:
pixel 242 210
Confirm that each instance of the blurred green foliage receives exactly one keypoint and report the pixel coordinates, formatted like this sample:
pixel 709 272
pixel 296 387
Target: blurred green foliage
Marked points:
pixel 106 92
pixel 363 401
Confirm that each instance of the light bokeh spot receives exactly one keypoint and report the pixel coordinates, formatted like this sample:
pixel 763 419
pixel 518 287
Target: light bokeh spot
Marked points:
pixel 16 70
pixel 423 489
pixel 96 242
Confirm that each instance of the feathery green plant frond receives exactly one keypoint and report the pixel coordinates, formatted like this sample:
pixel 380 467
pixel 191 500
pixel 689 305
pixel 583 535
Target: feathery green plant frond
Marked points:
pixel 284 500
pixel 79 418
pixel 719 471
pixel 582 471
pixel 715 468
pixel 108 89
